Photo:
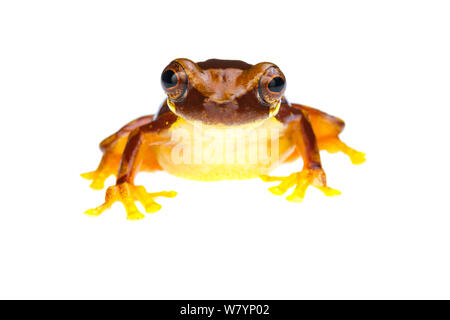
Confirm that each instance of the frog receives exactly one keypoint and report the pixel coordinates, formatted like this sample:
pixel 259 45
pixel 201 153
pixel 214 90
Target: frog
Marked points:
pixel 230 98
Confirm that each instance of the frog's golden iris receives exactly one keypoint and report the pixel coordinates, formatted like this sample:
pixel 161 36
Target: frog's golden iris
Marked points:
pixel 219 95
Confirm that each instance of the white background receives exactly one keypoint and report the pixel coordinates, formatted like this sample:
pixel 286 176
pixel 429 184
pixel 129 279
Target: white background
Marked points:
pixel 72 72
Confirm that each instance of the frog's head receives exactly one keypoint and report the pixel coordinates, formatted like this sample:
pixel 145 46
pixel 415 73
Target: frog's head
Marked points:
pixel 223 92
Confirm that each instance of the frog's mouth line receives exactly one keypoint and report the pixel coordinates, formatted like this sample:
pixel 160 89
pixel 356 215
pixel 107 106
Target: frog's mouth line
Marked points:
pixel 172 106
pixel 274 108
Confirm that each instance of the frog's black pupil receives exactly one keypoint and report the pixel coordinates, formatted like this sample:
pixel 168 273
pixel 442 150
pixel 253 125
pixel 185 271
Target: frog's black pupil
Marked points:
pixel 276 84
pixel 169 79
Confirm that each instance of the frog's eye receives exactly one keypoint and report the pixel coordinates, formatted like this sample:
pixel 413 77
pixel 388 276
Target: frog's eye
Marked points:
pixel 169 79
pixel 276 84
pixel 174 81
pixel 271 85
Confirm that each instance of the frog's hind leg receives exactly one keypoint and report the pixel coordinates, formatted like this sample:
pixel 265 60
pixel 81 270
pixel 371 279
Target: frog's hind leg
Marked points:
pixel 327 129
pixel 334 144
pixel 112 148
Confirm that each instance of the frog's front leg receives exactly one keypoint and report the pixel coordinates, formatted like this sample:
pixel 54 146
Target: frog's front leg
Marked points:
pixel 300 131
pixel 138 147
pixel 112 148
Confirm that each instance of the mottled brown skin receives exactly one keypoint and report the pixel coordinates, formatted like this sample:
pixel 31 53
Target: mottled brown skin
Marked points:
pixel 215 92
pixel 222 92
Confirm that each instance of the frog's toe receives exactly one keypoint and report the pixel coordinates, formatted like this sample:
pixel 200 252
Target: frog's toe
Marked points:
pixel 98 178
pixel 149 204
pixel 98 184
pixel 285 184
pixel 147 199
pixel 151 207
pixel 88 175
pixel 336 145
pixel 97 211
pixel 356 157
pixel 267 178
pixel 167 194
pixel 329 192
pixel 135 215
pixel 128 200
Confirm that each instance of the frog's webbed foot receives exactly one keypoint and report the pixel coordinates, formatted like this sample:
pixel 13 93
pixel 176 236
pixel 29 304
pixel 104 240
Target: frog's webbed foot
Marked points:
pixel 334 145
pixel 107 167
pixel 301 180
pixel 128 193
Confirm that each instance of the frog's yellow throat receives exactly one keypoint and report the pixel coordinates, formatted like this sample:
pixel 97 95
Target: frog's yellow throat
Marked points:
pixel 274 108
